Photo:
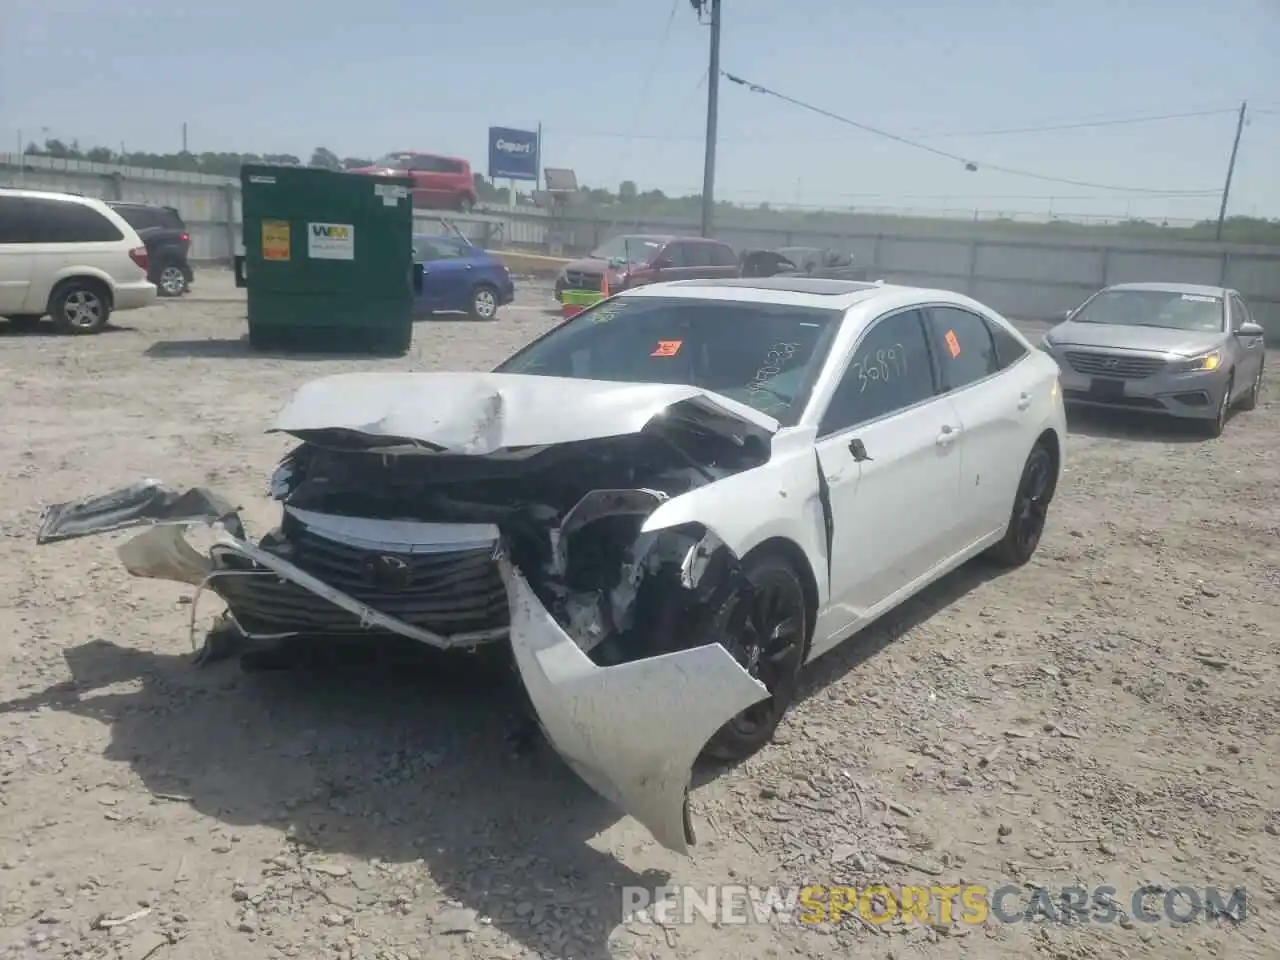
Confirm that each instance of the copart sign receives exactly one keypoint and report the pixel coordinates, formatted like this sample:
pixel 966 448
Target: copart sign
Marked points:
pixel 513 154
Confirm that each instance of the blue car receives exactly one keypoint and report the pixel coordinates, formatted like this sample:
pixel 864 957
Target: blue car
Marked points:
pixel 460 277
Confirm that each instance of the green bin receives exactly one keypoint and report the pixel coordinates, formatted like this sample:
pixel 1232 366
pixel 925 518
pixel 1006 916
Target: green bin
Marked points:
pixel 328 259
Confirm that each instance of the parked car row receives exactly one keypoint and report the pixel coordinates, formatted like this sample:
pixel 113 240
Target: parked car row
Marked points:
pixel 632 260
pixel 79 259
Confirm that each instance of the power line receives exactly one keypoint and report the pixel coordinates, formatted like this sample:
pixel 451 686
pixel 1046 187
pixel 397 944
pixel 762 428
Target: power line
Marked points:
pixel 970 165
pixel 643 98
pixel 1082 125
pixel 924 135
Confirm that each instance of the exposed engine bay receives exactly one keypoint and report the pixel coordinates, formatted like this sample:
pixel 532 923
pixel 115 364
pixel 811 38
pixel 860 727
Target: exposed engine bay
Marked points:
pixel 569 516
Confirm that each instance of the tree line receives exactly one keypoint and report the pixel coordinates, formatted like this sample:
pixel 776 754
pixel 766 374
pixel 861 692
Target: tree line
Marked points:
pixel 630 200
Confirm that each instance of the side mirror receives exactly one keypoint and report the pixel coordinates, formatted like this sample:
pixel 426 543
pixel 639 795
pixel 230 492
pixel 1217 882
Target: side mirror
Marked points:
pixel 1250 330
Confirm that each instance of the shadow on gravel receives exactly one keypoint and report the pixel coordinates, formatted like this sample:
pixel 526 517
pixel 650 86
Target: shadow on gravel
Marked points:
pixel 45 328
pixel 1123 425
pixel 398 755
pixel 400 761
pixel 239 349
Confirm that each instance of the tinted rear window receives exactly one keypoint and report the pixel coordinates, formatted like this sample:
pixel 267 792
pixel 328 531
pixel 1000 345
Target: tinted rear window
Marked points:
pixel 763 355
pixel 141 217
pixel 40 220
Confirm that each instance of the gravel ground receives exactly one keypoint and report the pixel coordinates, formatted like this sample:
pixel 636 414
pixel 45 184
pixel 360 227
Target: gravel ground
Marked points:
pixel 1105 715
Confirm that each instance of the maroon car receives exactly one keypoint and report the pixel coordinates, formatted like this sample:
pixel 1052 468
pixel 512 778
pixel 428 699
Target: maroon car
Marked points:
pixel 638 258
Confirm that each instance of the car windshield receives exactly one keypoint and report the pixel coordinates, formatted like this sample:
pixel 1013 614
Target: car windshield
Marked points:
pixel 628 249
pixel 396 161
pixel 1154 308
pixel 763 355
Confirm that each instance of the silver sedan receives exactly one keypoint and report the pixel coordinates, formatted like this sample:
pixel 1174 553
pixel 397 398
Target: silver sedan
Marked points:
pixel 1180 349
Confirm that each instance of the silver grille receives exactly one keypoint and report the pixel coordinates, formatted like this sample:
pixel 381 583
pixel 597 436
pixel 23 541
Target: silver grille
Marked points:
pixel 577 280
pixel 1119 365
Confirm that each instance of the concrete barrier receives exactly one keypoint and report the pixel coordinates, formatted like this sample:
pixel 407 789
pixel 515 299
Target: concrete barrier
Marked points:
pixel 530 264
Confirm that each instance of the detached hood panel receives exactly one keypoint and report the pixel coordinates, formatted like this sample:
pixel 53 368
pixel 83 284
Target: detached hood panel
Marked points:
pixel 479 413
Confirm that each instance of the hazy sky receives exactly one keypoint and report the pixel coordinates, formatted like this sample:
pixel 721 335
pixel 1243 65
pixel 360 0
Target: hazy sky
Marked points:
pixel 618 101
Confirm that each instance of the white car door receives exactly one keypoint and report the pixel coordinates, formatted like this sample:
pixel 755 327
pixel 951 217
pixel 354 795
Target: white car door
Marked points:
pixel 888 445
pixel 17 258
pixel 994 400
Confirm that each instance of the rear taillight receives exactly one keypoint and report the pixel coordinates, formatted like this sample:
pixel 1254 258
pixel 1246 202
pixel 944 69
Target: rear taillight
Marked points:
pixel 186 238
pixel 139 256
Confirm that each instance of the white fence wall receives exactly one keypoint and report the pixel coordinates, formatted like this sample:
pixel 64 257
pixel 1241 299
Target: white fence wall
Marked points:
pixel 1025 277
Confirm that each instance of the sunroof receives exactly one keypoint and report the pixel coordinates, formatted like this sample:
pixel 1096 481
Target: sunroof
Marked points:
pixel 814 285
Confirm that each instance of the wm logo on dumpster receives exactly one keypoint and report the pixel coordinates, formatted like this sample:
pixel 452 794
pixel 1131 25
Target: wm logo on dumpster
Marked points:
pixel 331 231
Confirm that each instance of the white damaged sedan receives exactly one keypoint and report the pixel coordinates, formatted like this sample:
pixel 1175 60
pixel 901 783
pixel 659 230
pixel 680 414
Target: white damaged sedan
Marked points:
pixel 662 508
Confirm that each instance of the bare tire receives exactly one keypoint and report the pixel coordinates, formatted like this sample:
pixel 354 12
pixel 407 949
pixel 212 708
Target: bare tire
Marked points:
pixel 1250 400
pixel 767 633
pixel 1030 510
pixel 80 307
pixel 1213 428
pixel 484 303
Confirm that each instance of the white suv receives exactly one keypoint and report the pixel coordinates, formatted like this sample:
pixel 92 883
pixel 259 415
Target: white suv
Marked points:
pixel 68 257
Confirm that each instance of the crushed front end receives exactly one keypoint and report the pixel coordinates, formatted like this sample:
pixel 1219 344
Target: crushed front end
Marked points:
pixel 617 634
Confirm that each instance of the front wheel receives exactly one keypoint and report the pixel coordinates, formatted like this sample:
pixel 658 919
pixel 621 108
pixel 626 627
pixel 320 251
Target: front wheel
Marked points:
pixel 768 631
pixel 1030 510
pixel 1251 398
pixel 1214 428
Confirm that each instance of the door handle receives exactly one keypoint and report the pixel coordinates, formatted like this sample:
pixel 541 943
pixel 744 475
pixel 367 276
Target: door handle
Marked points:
pixel 947 436
pixel 1024 401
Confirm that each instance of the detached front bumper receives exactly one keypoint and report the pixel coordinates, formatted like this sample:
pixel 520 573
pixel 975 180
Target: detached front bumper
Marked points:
pixel 632 731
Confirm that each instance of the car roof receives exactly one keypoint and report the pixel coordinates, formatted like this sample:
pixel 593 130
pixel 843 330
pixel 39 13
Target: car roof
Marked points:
pixel 812 286
pixel 426 153
pixel 801 292
pixel 52 195
pixel 1195 289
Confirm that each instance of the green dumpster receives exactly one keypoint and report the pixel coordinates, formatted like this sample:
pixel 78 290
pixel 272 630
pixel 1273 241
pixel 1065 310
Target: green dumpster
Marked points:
pixel 328 259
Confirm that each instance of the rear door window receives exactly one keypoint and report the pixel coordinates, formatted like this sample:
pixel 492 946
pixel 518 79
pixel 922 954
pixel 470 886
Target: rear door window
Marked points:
pixel 722 255
pixel 137 217
pixel 698 254
pixel 437 248
pixel 1009 350
pixel 63 221
pixel 963 344
pixel 677 255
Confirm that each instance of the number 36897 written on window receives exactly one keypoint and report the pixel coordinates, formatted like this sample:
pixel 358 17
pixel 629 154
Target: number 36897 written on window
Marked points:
pixel 884 365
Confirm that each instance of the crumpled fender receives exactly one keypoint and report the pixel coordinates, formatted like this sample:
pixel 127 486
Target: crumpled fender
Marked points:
pixel 782 498
pixel 631 731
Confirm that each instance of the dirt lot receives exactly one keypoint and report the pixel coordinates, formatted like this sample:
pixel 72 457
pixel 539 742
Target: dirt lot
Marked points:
pixel 1105 715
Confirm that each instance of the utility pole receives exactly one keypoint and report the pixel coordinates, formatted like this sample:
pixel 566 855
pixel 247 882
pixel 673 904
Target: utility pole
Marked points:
pixel 713 109
pixel 1231 168
pixel 184 136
